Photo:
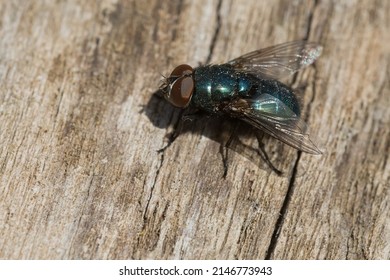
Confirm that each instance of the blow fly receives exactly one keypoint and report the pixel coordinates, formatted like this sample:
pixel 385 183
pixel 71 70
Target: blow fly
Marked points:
pixel 247 88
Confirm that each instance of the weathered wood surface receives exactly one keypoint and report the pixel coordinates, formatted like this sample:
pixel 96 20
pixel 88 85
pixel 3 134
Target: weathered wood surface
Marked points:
pixel 80 175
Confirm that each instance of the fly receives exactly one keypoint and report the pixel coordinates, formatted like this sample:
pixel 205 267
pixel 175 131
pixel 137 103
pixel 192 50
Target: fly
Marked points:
pixel 248 88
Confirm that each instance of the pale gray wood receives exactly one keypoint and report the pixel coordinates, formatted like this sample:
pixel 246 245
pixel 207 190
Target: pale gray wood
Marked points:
pixel 80 176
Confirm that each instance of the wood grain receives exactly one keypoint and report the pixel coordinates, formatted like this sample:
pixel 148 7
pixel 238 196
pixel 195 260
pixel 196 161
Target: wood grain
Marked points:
pixel 80 175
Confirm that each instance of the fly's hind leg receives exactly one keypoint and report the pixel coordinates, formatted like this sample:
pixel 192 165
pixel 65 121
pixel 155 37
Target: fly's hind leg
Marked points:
pixel 183 118
pixel 263 154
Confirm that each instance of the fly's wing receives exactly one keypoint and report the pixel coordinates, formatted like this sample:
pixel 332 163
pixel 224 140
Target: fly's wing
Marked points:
pixel 272 116
pixel 278 61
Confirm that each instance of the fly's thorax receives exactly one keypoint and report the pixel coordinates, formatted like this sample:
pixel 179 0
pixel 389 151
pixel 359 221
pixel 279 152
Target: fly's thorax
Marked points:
pixel 213 84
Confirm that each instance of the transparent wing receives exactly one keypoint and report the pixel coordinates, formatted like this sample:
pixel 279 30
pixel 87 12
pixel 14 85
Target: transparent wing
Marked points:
pixel 278 61
pixel 273 117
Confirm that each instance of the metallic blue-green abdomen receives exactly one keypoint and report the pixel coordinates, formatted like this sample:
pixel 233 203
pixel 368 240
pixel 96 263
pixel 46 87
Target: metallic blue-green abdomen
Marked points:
pixel 221 83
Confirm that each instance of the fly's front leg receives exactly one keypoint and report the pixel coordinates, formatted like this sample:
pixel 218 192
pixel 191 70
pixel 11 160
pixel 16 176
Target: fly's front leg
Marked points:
pixel 224 151
pixel 261 151
pixel 183 118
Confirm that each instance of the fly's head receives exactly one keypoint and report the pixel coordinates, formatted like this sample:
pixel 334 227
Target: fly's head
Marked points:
pixel 179 86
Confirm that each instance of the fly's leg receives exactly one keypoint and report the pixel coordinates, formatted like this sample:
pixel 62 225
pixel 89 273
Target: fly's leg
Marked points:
pixel 224 151
pixel 184 117
pixel 263 154
pixel 172 136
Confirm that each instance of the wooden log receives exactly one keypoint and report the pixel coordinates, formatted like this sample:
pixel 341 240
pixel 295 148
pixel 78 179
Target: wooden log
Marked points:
pixel 80 175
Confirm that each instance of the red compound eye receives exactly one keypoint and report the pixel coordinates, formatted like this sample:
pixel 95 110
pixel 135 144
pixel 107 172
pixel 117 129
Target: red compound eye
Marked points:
pixel 182 88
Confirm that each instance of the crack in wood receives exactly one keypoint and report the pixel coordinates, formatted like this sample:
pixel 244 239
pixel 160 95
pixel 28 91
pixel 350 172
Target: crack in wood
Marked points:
pixel 178 12
pixel 216 33
pixel 144 216
pixel 283 210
